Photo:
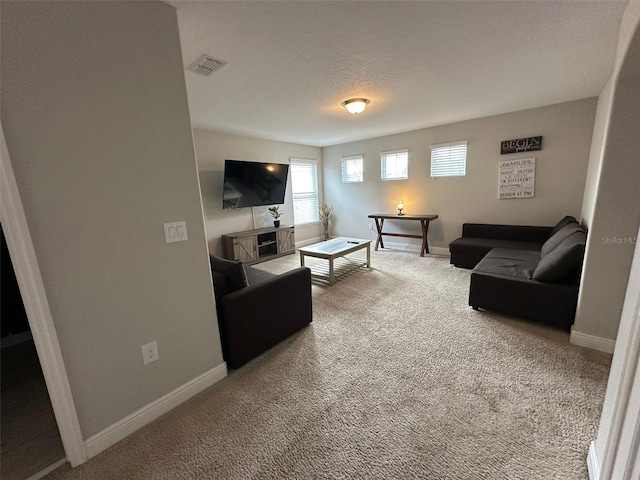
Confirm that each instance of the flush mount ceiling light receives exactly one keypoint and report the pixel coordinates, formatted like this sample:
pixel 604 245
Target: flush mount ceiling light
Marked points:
pixel 355 105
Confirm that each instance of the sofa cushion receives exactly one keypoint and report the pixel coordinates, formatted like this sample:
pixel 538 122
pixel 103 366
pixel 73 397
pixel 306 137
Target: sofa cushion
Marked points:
pixel 509 263
pixel 518 233
pixel 558 237
pixel 563 223
pixel 563 261
pixel 234 272
pixel 255 275
pixel 480 246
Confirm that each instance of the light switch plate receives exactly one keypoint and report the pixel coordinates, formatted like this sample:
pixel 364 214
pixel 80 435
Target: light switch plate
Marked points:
pixel 175 232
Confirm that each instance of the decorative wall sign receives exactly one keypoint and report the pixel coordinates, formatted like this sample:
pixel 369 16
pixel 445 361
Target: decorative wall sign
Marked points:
pixel 520 145
pixel 517 178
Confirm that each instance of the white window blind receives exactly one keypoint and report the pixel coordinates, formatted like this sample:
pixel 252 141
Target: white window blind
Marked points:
pixel 394 165
pixel 449 159
pixel 304 184
pixel 352 169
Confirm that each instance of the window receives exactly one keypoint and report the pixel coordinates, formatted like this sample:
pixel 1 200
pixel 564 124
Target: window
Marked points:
pixel 449 159
pixel 352 169
pixel 394 165
pixel 304 183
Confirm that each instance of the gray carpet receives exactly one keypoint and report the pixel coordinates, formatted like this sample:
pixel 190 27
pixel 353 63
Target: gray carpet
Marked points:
pixel 396 378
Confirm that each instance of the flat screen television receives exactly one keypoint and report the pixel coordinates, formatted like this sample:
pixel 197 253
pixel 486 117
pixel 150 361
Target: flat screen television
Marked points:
pixel 253 184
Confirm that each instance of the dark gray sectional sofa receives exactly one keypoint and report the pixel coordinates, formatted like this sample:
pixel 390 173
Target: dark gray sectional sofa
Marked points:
pixel 528 272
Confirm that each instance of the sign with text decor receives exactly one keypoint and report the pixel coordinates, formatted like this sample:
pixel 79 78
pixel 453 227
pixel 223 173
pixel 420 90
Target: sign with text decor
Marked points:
pixel 517 178
pixel 520 145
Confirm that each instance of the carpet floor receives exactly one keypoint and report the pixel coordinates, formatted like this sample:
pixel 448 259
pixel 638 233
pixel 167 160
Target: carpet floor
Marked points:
pixel 395 378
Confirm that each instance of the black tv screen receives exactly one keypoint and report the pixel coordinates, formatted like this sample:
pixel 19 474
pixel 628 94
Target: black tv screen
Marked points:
pixel 252 184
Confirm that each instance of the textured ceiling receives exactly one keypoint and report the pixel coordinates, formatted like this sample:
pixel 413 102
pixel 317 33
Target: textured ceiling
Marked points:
pixel 421 63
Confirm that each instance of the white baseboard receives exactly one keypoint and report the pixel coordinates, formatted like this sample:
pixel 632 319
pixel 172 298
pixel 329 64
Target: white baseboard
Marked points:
pixel 310 241
pixel 591 341
pixel 416 248
pixel 138 419
pixel 440 251
pixel 593 462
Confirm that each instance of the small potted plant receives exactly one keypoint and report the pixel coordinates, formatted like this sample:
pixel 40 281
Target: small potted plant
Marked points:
pixel 276 214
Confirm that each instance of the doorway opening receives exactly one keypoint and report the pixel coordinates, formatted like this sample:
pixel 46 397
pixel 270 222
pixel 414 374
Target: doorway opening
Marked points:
pixel 28 430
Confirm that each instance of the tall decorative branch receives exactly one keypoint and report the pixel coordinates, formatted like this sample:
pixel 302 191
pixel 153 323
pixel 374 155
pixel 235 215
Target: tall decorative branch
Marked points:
pixel 325 213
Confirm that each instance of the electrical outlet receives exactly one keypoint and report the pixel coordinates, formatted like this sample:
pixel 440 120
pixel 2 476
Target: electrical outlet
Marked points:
pixel 150 352
pixel 371 226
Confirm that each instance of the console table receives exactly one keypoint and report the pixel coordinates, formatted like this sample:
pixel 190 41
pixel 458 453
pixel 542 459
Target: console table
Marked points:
pixel 424 224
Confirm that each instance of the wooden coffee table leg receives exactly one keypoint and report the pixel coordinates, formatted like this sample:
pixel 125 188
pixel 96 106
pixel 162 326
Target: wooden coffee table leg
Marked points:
pixel 301 259
pixel 368 255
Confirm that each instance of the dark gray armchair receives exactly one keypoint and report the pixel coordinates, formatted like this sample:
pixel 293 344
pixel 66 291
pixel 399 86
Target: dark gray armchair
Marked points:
pixel 256 309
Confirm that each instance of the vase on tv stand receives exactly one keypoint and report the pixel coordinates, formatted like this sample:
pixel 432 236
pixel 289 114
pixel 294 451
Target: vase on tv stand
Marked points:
pixel 276 223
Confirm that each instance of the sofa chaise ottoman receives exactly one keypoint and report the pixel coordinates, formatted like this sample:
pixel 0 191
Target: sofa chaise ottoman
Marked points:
pixel 540 285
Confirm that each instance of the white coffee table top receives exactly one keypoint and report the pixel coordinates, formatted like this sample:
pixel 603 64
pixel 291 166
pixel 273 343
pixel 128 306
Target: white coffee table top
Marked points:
pixel 340 245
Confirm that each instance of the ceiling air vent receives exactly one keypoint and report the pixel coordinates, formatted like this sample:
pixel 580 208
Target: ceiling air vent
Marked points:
pixel 206 65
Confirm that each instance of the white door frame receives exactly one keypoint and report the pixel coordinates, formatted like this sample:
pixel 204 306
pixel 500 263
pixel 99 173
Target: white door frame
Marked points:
pixel 25 263
pixel 621 456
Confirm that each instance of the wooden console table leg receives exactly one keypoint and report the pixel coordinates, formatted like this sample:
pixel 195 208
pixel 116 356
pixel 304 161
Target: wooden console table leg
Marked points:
pixel 425 231
pixel 379 224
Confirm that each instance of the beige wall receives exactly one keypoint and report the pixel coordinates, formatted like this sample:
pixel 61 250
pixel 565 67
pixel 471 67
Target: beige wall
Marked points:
pixel 602 306
pixel 561 168
pixel 95 114
pixel 212 148
pixel 616 206
pixel 595 157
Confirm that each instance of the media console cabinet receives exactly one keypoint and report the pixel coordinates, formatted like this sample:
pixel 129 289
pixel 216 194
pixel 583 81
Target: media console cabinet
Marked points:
pixel 260 245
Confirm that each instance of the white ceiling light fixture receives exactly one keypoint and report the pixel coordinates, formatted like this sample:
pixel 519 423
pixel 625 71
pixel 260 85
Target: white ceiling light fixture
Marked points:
pixel 355 105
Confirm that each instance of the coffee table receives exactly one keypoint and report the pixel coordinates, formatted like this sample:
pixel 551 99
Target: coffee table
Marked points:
pixel 336 251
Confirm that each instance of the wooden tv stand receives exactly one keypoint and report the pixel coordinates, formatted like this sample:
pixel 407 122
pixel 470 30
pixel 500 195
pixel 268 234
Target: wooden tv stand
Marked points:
pixel 259 245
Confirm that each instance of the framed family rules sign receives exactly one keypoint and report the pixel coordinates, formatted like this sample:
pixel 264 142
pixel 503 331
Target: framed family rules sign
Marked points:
pixel 517 178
